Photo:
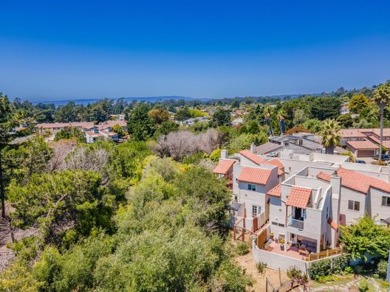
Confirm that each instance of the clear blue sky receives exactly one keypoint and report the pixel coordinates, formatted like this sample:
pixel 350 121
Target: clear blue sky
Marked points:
pixel 201 48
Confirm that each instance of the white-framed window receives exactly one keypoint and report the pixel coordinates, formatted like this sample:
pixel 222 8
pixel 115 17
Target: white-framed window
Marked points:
pixel 251 187
pixel 386 201
pixel 256 210
pixel 353 205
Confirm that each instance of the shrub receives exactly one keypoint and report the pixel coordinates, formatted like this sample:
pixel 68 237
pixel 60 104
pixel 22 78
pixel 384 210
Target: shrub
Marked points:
pixel 320 269
pixel 297 275
pixel 261 267
pixel 382 269
pixel 348 270
pixel 363 285
pixel 242 248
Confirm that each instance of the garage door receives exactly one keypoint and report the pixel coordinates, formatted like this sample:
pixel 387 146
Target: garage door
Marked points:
pixel 366 153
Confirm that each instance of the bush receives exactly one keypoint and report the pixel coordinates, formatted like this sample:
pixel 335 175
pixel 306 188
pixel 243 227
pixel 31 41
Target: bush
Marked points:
pixel 297 275
pixel 242 248
pixel 261 267
pixel 320 269
pixel 382 269
pixel 348 270
pixel 328 267
pixel 363 285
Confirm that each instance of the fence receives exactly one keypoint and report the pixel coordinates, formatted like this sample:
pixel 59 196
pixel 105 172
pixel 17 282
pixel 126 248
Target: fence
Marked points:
pixel 324 254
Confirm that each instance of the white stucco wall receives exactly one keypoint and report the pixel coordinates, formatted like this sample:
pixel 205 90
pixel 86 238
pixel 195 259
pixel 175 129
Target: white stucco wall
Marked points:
pixel 378 211
pixel 350 215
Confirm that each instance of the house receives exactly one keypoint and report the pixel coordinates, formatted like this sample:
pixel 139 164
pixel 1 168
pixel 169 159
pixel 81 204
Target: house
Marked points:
pixel 299 143
pixel 250 178
pixel 303 211
pixel 361 194
pixel 294 205
pixel 362 148
pixel 364 142
pixel 56 127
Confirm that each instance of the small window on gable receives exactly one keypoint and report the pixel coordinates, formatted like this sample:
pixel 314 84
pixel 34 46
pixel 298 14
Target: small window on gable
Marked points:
pixel 251 187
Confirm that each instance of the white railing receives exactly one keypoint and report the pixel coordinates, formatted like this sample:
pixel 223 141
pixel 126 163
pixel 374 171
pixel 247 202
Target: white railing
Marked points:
pixel 296 223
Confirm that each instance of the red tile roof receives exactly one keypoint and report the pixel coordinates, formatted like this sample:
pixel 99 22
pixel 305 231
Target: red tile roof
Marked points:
pixel 357 181
pixel 223 166
pixel 351 133
pixel 251 156
pixel 277 163
pixel 258 160
pixel 299 197
pixel 254 175
pixel 363 145
pixel 276 191
pixel 333 224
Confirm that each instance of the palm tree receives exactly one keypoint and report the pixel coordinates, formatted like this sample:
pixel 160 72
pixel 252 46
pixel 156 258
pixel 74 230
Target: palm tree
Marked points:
pixel 330 135
pixel 382 99
pixel 267 114
pixel 282 124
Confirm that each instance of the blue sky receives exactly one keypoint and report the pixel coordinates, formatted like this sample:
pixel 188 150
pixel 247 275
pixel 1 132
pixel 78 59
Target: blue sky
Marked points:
pixel 205 48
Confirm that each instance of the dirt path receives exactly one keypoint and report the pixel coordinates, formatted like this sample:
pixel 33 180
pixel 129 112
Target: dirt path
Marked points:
pixel 248 264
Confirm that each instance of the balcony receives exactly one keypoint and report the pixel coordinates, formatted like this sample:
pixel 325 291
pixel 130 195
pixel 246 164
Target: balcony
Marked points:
pixel 296 223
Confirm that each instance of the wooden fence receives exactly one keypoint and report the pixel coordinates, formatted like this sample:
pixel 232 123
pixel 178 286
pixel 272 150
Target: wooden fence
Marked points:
pixel 323 254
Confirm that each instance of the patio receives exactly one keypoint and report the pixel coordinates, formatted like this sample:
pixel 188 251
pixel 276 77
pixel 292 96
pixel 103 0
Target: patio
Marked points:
pixel 292 251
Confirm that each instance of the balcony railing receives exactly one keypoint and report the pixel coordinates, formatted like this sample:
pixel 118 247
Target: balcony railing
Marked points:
pixel 295 223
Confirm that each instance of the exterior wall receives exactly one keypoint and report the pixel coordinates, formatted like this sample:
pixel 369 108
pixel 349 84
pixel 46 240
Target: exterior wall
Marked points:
pixel 347 216
pixel 276 261
pixel 277 215
pixel 378 211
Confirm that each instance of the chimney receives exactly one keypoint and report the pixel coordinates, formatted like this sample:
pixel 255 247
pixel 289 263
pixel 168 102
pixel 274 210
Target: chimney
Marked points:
pixel 253 148
pixel 224 154
pixel 335 182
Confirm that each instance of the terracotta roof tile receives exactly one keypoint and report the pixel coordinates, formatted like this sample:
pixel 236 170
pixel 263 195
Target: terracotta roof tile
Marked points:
pixel 251 156
pixel 363 145
pixel 258 160
pixel 223 166
pixel 299 197
pixel 277 163
pixel 276 191
pixel 254 175
pixel 351 133
pixel 357 181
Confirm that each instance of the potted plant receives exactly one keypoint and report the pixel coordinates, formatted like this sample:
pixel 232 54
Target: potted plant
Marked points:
pixel 281 241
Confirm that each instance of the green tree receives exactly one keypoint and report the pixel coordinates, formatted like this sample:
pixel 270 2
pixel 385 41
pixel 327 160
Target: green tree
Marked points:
pixel 70 133
pixel 365 238
pixel 119 130
pixel 56 200
pixel 6 123
pixel 325 108
pixel 382 99
pixel 140 125
pixel 221 118
pixel 159 115
pixel 330 135
pixel 357 103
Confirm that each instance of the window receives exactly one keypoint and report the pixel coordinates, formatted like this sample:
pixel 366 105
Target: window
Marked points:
pixel 386 201
pixel 256 210
pixel 251 187
pixel 353 205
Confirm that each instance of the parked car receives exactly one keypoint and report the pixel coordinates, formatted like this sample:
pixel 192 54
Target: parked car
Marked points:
pixel 360 161
pixel 385 157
